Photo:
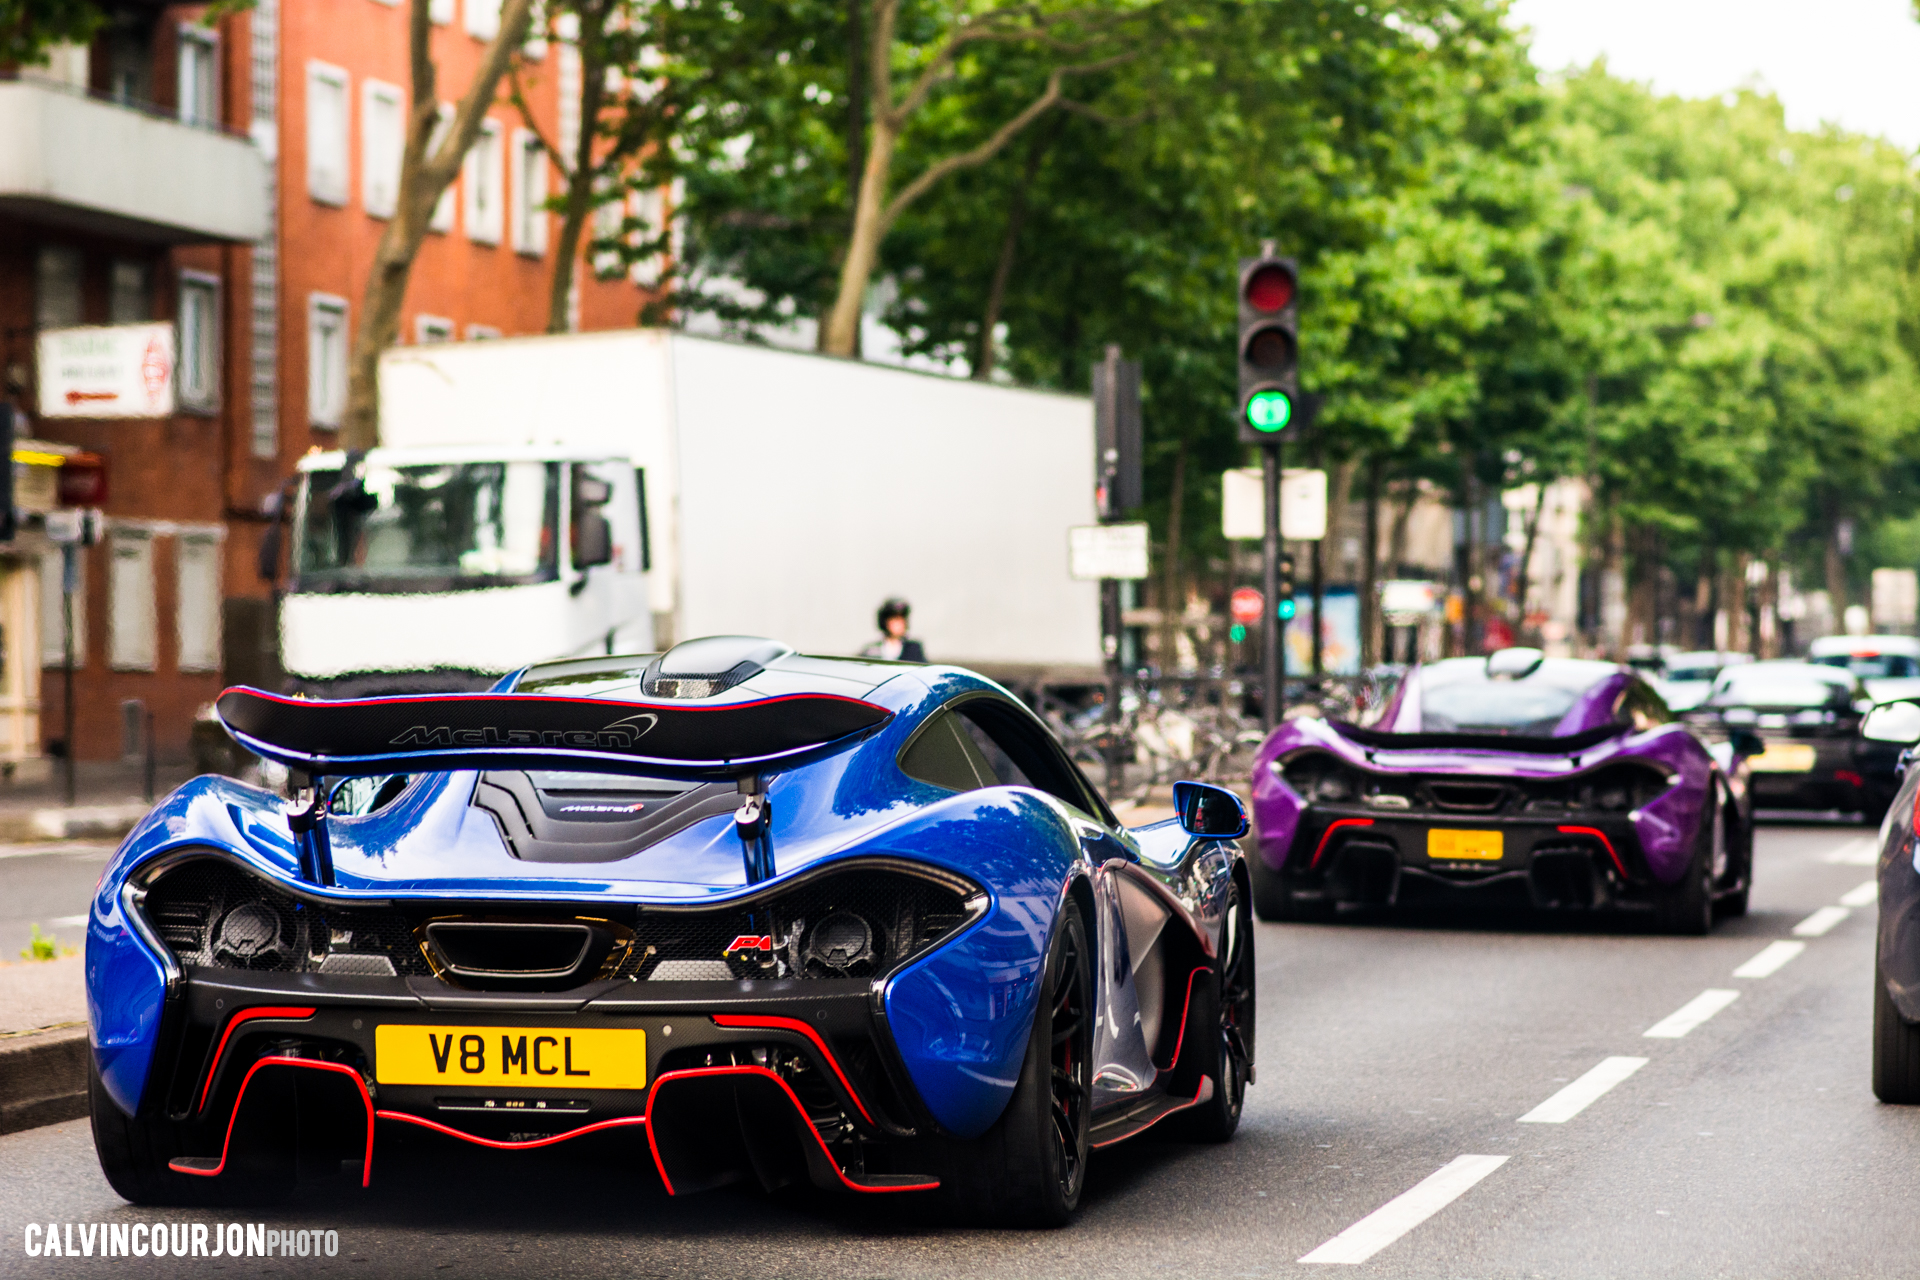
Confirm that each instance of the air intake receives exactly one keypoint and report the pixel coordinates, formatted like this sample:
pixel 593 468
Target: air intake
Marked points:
pixel 709 666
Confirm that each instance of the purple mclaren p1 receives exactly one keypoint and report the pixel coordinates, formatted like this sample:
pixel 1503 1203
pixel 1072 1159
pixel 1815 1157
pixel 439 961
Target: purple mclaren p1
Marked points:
pixel 1513 778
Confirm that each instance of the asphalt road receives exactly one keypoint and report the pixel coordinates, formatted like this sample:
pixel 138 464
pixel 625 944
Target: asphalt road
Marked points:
pixel 48 885
pixel 1397 1058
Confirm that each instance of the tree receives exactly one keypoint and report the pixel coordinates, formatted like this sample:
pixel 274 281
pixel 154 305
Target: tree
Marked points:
pixel 28 28
pixel 429 162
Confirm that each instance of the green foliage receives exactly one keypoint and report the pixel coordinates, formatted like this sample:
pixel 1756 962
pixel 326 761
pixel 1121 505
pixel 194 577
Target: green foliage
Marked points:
pixel 28 28
pixel 44 946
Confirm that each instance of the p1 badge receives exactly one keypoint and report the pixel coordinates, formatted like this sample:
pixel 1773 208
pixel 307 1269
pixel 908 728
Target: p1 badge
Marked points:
pixel 520 1057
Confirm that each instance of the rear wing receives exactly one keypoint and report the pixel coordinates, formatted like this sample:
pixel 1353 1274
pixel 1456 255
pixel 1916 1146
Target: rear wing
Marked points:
pixel 431 732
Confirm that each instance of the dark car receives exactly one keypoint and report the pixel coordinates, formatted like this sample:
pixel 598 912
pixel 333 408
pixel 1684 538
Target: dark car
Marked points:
pixel 1896 968
pixel 1552 780
pixel 1807 719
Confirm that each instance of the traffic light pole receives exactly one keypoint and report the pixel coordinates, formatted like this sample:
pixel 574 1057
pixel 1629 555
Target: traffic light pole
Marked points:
pixel 1273 667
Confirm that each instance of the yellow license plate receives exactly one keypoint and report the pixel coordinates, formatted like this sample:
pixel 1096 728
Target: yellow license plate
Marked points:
pixel 511 1057
pixel 1783 757
pixel 1476 846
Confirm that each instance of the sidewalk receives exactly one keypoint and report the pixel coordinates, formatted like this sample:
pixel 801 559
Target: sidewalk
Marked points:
pixel 109 798
pixel 43 1042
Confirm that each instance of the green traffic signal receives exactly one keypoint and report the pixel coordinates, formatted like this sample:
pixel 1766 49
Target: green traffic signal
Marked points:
pixel 1236 633
pixel 1269 410
pixel 1286 609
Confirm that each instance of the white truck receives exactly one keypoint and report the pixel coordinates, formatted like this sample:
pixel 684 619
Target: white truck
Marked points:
pixel 550 497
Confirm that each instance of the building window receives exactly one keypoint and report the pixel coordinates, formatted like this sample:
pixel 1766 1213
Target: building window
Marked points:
pixel 197 600
pixel 482 332
pixel 326 360
pixel 129 292
pixel 132 628
pixel 327 111
pixel 442 219
pixel 53 621
pixel 382 139
pixel 482 175
pixel 56 301
pixel 428 330
pixel 440 11
pixel 198 364
pixel 199 98
pixel 529 193
pixel 483 19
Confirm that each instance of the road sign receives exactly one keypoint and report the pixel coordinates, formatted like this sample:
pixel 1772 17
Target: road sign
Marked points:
pixel 1303 505
pixel 1096 551
pixel 1245 605
pixel 1895 597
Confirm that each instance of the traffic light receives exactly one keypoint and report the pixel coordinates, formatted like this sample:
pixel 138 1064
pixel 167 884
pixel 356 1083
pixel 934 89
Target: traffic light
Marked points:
pixel 1284 610
pixel 1269 349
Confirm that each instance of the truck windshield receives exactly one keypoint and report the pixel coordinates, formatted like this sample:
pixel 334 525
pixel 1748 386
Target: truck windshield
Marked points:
pixel 440 527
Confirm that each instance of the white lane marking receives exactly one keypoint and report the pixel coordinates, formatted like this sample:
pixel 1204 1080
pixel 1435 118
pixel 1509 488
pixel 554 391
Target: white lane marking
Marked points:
pixel 1692 1014
pixel 66 849
pixel 1820 922
pixel 1772 958
pixel 1861 851
pixel 1405 1211
pixel 1582 1093
pixel 1862 895
pixel 67 922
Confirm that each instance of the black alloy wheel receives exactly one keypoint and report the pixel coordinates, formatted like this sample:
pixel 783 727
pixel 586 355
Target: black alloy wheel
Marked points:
pixel 1896 1046
pixel 1029 1167
pixel 1225 1014
pixel 1687 907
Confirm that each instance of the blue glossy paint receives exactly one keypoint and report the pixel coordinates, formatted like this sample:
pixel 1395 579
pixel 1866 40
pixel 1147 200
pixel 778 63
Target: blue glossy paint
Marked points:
pixel 960 1014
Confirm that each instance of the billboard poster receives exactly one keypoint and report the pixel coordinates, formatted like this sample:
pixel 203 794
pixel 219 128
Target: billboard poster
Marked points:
pixel 107 371
pixel 1339 633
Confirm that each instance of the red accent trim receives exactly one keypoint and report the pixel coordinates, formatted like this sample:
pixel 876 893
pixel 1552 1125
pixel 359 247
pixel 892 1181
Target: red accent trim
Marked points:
pixel 275 1060
pixel 795 1024
pixel 697 1072
pixel 1327 835
pixel 240 1016
pixel 503 1145
pixel 1200 1095
pixel 1601 836
pixel 425 699
pixel 1186 1013
pixel 1849 777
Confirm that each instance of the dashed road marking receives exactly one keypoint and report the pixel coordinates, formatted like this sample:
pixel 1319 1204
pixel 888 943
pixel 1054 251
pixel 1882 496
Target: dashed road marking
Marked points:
pixel 1861 851
pixel 1862 896
pixel 1692 1014
pixel 1820 922
pixel 1582 1093
pixel 1405 1211
pixel 1770 960
pixel 67 922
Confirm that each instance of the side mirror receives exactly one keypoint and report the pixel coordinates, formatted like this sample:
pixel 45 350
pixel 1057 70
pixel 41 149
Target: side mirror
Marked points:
pixel 1746 742
pixel 1212 812
pixel 1893 722
pixel 592 540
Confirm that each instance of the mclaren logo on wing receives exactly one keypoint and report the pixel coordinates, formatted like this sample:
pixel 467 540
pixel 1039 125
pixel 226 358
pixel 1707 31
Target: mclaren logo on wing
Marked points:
pixel 621 735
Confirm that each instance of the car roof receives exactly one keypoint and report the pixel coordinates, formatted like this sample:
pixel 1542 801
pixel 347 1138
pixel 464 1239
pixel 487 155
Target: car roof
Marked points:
pixel 1564 672
pixel 1793 668
pixel 1864 646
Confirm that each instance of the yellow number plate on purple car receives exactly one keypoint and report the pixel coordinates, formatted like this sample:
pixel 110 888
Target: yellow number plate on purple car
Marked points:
pixel 1464 846
pixel 516 1057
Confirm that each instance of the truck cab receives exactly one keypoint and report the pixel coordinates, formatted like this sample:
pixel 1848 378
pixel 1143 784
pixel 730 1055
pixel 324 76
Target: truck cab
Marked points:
pixel 447 566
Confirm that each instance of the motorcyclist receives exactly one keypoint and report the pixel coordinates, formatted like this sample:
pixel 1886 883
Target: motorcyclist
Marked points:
pixel 894 644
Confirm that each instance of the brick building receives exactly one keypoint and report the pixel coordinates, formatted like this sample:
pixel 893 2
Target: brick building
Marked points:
pixel 226 187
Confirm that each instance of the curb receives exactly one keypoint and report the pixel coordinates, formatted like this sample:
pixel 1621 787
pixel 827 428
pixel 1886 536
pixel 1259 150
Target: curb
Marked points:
pixel 43 1078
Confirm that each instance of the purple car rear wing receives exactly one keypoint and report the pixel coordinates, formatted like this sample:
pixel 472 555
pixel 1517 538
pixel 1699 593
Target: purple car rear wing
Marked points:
pixel 1381 740
pixel 533 731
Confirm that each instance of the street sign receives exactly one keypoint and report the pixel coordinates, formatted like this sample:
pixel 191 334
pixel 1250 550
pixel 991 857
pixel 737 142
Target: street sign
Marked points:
pixel 1896 594
pixel 1303 505
pixel 1245 605
pixel 1097 551
pixel 106 371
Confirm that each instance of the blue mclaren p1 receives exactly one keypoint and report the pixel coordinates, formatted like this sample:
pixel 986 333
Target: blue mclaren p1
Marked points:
pixel 776 918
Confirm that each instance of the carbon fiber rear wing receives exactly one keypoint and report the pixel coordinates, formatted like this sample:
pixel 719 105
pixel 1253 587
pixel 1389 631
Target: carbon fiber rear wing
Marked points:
pixel 533 731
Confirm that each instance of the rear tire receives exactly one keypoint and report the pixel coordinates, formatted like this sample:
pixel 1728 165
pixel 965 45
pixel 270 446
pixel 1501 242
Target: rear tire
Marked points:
pixel 1274 899
pixel 1031 1166
pixel 134 1150
pixel 1896 1047
pixel 1223 1024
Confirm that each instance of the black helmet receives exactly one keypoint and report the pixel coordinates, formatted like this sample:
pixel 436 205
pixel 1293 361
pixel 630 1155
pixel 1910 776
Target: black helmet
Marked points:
pixel 894 607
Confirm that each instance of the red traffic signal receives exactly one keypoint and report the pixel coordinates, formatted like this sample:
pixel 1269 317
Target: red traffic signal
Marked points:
pixel 1268 287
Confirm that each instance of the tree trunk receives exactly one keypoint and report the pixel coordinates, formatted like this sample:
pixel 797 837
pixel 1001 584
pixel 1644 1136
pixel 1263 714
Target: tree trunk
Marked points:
pixel 1009 243
pixel 581 170
pixel 1523 573
pixel 1370 571
pixel 863 247
pixel 422 179
pixel 1172 606
pixel 1738 638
